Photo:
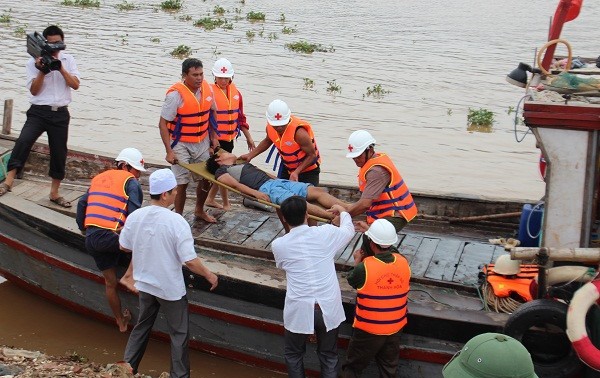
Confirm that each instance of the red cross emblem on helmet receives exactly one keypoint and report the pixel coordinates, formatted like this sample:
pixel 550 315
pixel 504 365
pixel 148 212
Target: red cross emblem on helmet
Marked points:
pixel 224 69
pixel 278 116
pixel 350 148
pixel 142 162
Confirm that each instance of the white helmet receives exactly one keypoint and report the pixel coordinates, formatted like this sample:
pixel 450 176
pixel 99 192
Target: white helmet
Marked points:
pixel 358 142
pixel 505 266
pixel 132 157
pixel 222 68
pixel 382 232
pixel 278 113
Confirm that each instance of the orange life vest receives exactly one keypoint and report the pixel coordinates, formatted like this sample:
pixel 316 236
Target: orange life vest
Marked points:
pixel 519 284
pixel 107 200
pixel 228 108
pixel 290 151
pixel 191 122
pixel 395 198
pixel 381 301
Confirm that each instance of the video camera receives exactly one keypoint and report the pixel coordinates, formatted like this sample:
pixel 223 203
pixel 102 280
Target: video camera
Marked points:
pixel 38 46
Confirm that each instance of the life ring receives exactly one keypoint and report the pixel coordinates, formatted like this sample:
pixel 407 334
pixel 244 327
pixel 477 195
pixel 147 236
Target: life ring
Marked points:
pixel 583 299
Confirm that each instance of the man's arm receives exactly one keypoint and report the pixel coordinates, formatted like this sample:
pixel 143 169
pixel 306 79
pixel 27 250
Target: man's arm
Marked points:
pixel 357 276
pixel 306 144
pixel 262 147
pixel 166 139
pixel 197 267
pixel 71 80
pixel 135 194
pixel 228 180
pixel 81 209
pixel 37 82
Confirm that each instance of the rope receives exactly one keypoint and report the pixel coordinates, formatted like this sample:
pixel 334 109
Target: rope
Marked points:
pixel 507 305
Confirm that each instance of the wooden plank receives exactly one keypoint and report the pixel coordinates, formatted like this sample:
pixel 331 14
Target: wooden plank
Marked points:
pixel 423 257
pixel 444 261
pixel 248 224
pixel 473 257
pixel 20 187
pixel 344 257
pixel 409 246
pixel 264 234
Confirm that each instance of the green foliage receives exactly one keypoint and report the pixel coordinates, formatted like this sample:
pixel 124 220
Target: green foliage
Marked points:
pixel 181 51
pixel 272 36
pixel 376 91
pixel 5 18
pixel 510 110
pixel 449 111
pixel 185 17
pixel 308 83
pixel 208 23
pixel 171 5
pixel 307 47
pixel 20 30
pixel 255 16
pixel 250 34
pixel 282 18
pixel 227 26
pixel 126 6
pixel 219 10
pixel 155 40
pixel 287 30
pixel 82 3
pixel 333 87
pixel 480 117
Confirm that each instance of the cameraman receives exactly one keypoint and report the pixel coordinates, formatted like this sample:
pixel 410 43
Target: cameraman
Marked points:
pixel 51 94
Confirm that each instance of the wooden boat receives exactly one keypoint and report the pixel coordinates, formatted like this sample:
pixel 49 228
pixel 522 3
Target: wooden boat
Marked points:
pixel 42 250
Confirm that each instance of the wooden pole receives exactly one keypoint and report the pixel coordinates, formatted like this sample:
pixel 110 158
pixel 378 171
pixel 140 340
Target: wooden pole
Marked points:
pixel 585 255
pixel 7 120
pixel 486 217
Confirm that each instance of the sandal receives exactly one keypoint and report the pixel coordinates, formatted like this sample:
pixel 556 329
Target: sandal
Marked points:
pixel 4 188
pixel 61 201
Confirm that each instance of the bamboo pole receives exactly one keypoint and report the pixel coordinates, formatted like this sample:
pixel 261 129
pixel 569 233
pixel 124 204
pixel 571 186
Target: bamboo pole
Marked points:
pixel 7 119
pixel 486 217
pixel 584 255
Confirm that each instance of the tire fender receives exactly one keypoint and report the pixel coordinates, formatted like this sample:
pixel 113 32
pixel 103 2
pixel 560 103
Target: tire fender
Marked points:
pixel 583 299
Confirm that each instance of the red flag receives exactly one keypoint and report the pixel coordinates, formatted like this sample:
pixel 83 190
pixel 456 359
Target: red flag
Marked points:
pixel 573 10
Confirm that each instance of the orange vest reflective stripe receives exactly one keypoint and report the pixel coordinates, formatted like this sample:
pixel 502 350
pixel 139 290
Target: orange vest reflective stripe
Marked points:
pixel 381 301
pixel 228 108
pixel 107 200
pixel 395 198
pixel 519 284
pixel 290 151
pixel 191 122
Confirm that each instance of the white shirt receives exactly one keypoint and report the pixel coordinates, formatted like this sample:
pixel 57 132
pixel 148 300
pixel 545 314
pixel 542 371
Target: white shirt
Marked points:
pixel 54 91
pixel 161 241
pixel 307 256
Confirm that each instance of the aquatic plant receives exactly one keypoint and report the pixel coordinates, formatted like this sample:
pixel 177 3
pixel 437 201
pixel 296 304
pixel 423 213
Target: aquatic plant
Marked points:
pixel 376 92
pixel 21 30
pixel 307 47
pixel 155 40
pixel 126 6
pixel 5 18
pixel 185 17
pixel 171 5
pixel 480 117
pixel 510 110
pixel 250 34
pixel 82 3
pixel 219 10
pixel 333 87
pixel 287 30
pixel 272 36
pixel 308 83
pixel 227 26
pixel 255 16
pixel 181 51
pixel 208 23
pixel 282 18
pixel 449 111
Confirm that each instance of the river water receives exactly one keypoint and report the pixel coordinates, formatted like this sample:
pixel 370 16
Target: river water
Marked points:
pixel 437 58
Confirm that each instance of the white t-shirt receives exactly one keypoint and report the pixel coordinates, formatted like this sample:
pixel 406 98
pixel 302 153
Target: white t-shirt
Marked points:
pixel 306 254
pixel 161 242
pixel 54 91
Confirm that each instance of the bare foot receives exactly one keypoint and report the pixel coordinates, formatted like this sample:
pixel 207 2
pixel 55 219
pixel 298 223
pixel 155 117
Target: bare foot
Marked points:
pixel 206 217
pixel 128 282
pixel 124 320
pixel 226 207
pixel 214 204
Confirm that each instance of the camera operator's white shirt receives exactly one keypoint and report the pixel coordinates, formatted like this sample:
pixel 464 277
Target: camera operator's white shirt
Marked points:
pixel 55 91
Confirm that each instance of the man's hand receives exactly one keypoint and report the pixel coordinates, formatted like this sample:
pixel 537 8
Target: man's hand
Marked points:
pixel 337 209
pixel 245 157
pixel 263 196
pixel 294 176
pixel 213 280
pixel 171 158
pixel 361 226
pixel 251 144
pixel 358 255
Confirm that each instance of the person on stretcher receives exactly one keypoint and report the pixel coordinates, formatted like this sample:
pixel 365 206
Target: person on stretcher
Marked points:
pixel 254 182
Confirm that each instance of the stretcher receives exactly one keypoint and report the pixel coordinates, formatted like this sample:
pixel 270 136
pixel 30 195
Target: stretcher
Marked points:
pixel 200 169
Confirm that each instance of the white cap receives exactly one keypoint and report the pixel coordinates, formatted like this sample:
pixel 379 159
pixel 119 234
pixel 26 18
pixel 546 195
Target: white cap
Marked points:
pixel 162 181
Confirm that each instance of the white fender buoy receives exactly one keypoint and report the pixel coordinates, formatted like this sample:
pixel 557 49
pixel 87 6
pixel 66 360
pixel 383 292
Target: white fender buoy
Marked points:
pixel 583 299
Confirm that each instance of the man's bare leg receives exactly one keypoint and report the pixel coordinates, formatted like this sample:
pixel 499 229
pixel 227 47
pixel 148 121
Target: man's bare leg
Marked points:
pixel 320 195
pixel 121 317
pixel 54 188
pixel 180 198
pixel 201 194
pixel 210 200
pixel 318 211
pixel 127 279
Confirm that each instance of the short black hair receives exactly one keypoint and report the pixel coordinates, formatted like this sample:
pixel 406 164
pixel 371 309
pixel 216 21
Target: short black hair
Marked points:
pixel 190 63
pixel 53 30
pixel 211 164
pixel 294 210
pixel 156 197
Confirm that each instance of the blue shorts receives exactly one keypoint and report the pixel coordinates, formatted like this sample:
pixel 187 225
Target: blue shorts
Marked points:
pixel 279 190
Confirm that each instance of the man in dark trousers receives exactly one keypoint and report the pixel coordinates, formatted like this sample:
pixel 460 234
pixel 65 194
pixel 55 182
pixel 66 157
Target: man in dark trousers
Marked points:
pixel 382 284
pixel 49 113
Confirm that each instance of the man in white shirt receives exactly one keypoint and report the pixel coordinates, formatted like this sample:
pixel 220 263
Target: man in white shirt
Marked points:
pixel 49 113
pixel 161 242
pixel 313 301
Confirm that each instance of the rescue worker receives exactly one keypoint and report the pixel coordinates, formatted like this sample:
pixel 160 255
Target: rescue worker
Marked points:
pixel 101 214
pixel 491 355
pixel 185 133
pixel 385 194
pixel 295 142
pixel 382 284
pixel 230 120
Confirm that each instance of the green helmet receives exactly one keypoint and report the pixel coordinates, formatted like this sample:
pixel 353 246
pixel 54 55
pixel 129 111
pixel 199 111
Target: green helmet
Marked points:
pixel 491 355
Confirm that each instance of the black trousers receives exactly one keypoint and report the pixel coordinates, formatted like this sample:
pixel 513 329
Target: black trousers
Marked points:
pixel 365 346
pixel 56 125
